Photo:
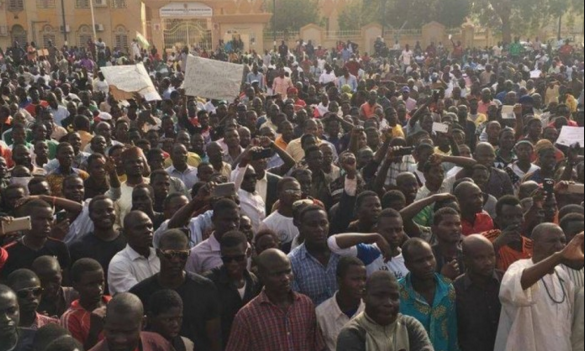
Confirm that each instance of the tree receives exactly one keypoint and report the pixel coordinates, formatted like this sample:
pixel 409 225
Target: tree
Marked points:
pixel 452 13
pixel 359 13
pixel 394 13
pixel 292 15
pixel 518 16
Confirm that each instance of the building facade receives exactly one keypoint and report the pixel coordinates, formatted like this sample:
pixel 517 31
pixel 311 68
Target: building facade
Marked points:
pixel 69 21
pixel 165 23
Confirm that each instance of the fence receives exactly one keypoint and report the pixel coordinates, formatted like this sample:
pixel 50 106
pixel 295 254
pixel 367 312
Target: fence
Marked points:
pixel 435 32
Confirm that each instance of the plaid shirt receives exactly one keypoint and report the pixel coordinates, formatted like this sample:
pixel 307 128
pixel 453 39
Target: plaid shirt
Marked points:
pixel 311 277
pixel 408 164
pixel 263 326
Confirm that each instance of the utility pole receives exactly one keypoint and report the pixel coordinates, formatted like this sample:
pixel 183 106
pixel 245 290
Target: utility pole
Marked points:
pixel 274 21
pixel 92 20
pixel 64 21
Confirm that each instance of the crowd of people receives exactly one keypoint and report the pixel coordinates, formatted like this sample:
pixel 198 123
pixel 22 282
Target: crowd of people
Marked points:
pixel 414 200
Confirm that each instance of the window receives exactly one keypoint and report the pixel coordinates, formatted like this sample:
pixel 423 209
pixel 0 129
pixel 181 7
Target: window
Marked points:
pixel 19 35
pixel 82 4
pixel 121 37
pixel 84 34
pixel 100 3
pixel 45 4
pixel 15 5
pixel 48 37
pixel 119 4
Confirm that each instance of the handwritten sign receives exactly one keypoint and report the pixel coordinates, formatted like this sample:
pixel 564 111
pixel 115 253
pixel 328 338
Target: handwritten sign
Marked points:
pixel 571 135
pixel 127 80
pixel 212 79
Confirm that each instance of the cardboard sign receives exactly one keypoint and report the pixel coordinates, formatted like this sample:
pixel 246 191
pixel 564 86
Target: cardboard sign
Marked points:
pixel 126 81
pixel 212 79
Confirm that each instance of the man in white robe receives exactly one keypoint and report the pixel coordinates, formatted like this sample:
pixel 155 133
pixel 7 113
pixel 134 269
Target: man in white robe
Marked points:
pixel 538 297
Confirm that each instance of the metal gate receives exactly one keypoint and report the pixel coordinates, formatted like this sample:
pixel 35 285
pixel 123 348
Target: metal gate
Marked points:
pixel 179 33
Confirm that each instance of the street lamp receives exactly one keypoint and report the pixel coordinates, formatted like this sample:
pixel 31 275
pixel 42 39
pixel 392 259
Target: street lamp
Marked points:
pixel 274 20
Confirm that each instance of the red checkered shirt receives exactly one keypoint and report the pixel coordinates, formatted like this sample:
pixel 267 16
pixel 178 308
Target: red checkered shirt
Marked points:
pixel 262 326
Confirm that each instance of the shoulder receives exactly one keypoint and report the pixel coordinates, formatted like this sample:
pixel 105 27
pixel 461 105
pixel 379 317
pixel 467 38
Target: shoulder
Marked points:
pixel 144 287
pixel 56 244
pixel 155 341
pixel 199 281
pixel 353 335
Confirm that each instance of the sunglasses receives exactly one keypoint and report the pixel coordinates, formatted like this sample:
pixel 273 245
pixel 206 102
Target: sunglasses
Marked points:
pixel 229 259
pixel 170 254
pixel 25 293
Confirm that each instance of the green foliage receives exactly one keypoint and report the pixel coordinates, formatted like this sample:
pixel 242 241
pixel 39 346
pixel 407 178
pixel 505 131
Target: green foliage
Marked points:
pixel 522 16
pixel 292 15
pixel 394 13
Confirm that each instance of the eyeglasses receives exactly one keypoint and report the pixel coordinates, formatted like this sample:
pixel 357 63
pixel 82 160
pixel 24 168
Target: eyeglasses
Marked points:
pixel 229 259
pixel 25 293
pixel 170 254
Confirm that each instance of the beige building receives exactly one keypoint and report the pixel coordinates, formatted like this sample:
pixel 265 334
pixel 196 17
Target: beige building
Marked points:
pixel 116 21
pixel 165 23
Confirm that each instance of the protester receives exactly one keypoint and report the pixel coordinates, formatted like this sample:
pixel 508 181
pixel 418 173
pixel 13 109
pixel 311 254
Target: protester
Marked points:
pixel 90 172
pixel 381 326
pixel 530 283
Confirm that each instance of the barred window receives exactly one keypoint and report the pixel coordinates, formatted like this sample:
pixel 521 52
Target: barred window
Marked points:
pixel 15 5
pixel 119 4
pixel 82 4
pixel 46 4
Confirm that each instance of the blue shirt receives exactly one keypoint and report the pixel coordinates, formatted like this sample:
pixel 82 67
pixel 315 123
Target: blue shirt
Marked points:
pixel 439 320
pixel 311 278
pixel 351 81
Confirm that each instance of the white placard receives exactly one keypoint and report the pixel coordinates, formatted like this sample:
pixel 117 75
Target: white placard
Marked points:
pixel 440 128
pixel 508 112
pixel 571 135
pixel 212 79
pixel 535 74
pixel 131 79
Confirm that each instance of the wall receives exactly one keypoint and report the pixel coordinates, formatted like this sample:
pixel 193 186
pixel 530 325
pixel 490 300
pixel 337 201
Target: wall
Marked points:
pixel 470 36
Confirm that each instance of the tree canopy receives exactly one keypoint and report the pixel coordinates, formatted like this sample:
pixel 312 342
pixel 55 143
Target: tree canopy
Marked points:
pixel 292 15
pixel 394 13
pixel 522 16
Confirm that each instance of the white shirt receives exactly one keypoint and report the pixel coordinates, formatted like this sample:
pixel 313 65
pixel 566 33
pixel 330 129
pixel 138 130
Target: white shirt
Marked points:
pixel 530 320
pixel 407 57
pixel 205 256
pixel 197 228
pixel 251 204
pixel 81 226
pixel 188 177
pixel 372 257
pixel 327 78
pixel 331 320
pixel 129 268
pixel 123 205
pixel 282 226
pixel 577 338
pixel 59 114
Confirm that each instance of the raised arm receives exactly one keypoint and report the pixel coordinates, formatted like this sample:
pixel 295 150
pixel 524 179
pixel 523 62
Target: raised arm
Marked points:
pixel 183 216
pixel 573 252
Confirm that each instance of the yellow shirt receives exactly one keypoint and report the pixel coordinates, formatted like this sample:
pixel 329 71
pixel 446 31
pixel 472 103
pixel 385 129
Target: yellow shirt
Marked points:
pixel 481 119
pixel 193 160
